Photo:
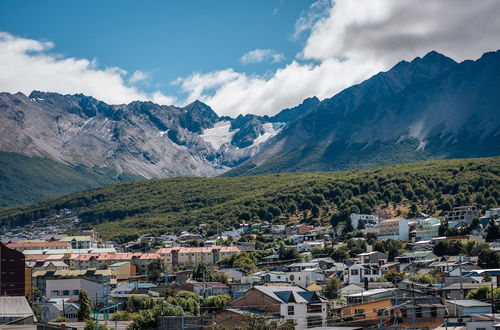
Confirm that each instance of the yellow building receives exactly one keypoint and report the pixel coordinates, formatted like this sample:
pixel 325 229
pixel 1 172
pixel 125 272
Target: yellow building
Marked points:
pixel 123 270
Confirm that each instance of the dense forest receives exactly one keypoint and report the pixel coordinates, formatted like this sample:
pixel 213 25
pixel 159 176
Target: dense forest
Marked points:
pixel 125 210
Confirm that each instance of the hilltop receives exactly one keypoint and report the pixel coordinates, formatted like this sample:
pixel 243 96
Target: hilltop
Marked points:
pixel 125 210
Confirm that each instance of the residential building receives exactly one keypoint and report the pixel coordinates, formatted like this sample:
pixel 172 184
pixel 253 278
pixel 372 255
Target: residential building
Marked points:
pixel 462 214
pixel 58 307
pixel 123 270
pixel 358 272
pixel 492 213
pixel 467 307
pixel 367 220
pixel 393 229
pixel 13 273
pixel 205 289
pixel 374 257
pixel 306 308
pixel 365 308
pixel 428 229
pixel 309 245
pixel 430 312
pixel 15 311
pixel 40 245
pixel 80 242
pixel 70 288
pixel 193 256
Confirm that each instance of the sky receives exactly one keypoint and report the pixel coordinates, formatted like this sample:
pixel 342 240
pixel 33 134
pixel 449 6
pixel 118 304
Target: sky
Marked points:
pixel 246 56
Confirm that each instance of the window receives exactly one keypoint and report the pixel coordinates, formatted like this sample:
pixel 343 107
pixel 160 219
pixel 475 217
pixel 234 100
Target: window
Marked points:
pixel 54 292
pixel 314 322
pixel 419 312
pixel 76 292
pixel 292 277
pixel 359 312
pixel 354 272
pixel 314 308
pixel 291 310
pixel 65 293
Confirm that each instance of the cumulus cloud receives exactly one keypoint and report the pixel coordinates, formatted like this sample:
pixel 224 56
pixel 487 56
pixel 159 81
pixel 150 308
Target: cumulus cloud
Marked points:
pixel 262 55
pixel 138 76
pixel 28 65
pixel 402 29
pixel 349 41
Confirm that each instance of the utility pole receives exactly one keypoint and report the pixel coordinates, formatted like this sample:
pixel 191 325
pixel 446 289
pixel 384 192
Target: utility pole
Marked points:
pixel 414 307
pixel 492 302
pixel 461 281
pixel 165 275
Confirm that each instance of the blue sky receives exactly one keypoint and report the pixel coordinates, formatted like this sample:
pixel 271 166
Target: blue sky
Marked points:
pixel 238 56
pixel 168 39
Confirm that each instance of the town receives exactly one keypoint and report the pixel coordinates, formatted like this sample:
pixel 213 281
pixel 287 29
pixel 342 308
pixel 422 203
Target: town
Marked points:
pixel 420 272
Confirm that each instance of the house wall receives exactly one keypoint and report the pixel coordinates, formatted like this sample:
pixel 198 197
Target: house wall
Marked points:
pixel 94 289
pixel 252 299
pixel 365 311
pixel 12 273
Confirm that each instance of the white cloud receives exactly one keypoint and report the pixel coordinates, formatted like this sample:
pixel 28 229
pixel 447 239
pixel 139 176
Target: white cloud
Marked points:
pixel 317 10
pixel 262 55
pixel 350 41
pixel 139 76
pixel 27 65
pixel 402 29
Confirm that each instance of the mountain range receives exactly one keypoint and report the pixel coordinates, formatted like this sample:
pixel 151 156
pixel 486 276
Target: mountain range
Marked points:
pixel 429 108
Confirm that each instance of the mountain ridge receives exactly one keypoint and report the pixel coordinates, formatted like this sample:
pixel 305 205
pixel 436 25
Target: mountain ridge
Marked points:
pixel 429 108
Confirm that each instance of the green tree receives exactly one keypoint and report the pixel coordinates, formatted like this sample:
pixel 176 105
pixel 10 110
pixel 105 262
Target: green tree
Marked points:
pixel 201 272
pixel 85 306
pixel 37 311
pixel 256 322
pixel 493 232
pixel 60 319
pixel 155 268
pixel 216 303
pixel 290 253
pixel 122 316
pixel 393 276
pixel 332 288
pixel 488 259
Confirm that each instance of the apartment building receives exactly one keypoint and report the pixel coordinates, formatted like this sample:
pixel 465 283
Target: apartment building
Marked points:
pixel 209 255
pixel 393 229
pixel 462 214
pixel 428 229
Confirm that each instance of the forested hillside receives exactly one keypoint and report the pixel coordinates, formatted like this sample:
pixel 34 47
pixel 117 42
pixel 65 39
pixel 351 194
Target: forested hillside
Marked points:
pixel 25 180
pixel 123 211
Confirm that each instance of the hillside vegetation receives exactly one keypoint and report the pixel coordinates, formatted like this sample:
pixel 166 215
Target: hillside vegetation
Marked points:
pixel 123 211
pixel 26 179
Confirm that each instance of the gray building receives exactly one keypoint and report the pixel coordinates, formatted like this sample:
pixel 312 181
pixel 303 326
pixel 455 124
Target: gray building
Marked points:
pixel 467 307
pixel 70 288
pixel 15 310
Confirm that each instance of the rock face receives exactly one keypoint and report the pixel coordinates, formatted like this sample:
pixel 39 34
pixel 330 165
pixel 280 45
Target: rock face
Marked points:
pixel 140 138
pixel 431 107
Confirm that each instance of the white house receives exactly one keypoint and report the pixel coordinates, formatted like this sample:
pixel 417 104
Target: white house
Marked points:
pixel 397 229
pixel 306 308
pixel 366 219
pixel 428 229
pixel 358 272
pixel 308 246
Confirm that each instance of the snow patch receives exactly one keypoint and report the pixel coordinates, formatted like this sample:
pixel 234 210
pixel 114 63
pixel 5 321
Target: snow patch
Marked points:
pixel 218 135
pixel 270 130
